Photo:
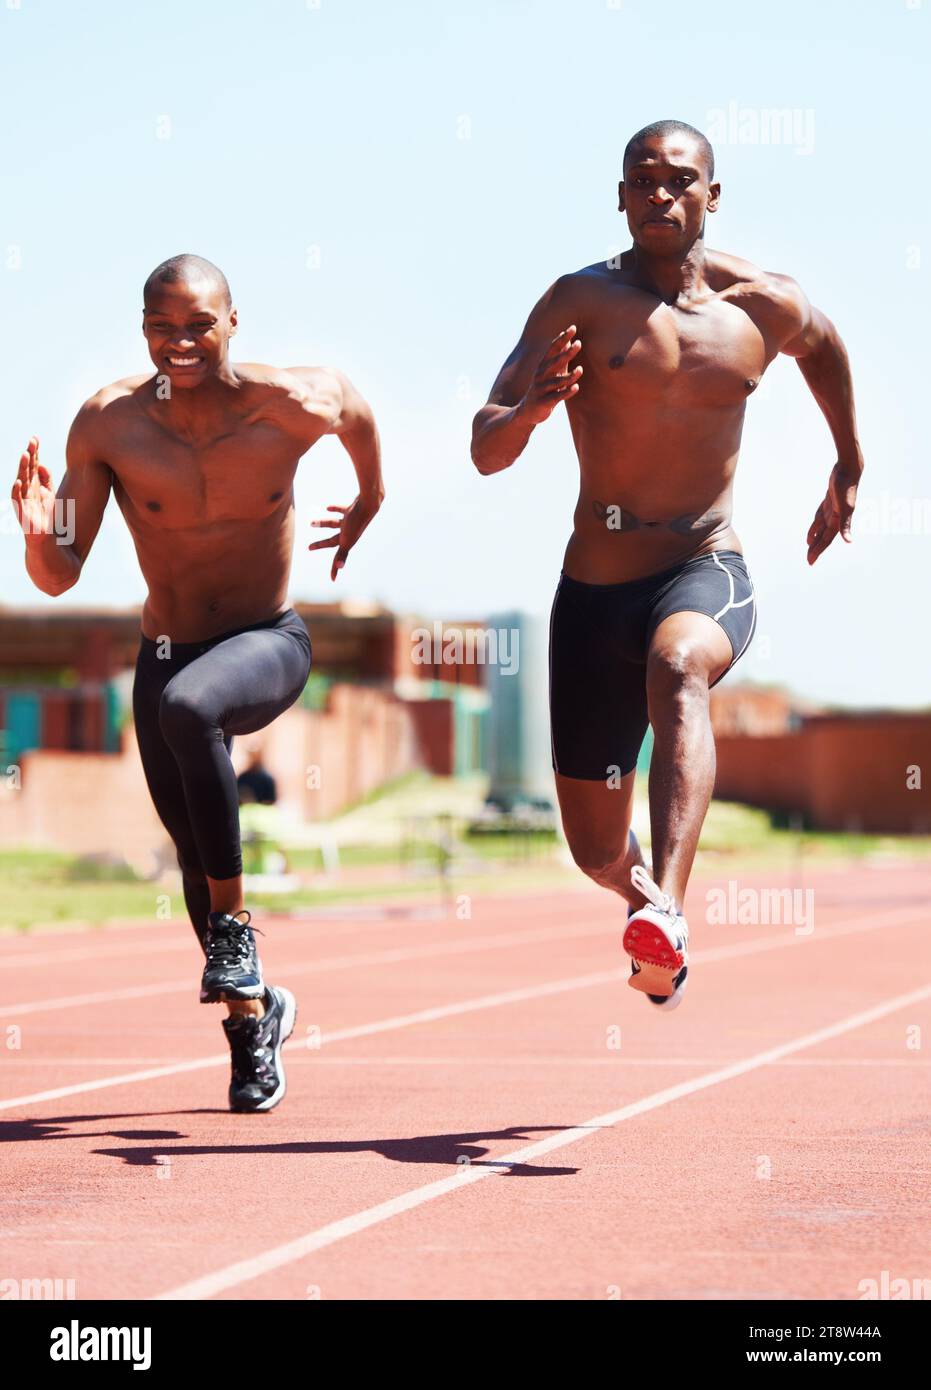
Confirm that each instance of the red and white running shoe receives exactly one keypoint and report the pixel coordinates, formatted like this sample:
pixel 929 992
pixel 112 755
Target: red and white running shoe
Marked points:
pixel 657 940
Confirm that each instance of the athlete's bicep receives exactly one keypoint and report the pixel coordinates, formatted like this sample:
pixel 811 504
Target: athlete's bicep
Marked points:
pixel 85 489
pixel 544 324
pixel 513 379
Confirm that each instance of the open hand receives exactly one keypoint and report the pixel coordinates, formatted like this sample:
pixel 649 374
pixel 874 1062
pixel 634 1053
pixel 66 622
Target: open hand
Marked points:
pixel 835 514
pixel 351 523
pixel 33 494
pixel 555 379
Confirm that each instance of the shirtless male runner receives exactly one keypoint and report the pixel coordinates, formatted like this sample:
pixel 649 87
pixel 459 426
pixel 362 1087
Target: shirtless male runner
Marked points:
pixel 656 354
pixel 201 458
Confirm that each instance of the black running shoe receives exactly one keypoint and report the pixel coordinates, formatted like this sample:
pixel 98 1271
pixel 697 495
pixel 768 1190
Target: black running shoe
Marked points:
pixel 233 969
pixel 258 1079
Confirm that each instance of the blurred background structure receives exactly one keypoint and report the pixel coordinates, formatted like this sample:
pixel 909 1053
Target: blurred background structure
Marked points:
pixel 458 707
pixel 370 714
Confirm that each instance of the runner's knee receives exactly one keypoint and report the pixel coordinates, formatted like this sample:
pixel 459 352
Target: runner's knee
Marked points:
pixel 189 862
pixel 677 674
pixel 191 873
pixel 181 717
pixel 596 855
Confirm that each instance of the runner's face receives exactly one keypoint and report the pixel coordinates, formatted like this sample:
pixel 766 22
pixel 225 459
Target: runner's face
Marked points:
pixel 666 192
pixel 188 328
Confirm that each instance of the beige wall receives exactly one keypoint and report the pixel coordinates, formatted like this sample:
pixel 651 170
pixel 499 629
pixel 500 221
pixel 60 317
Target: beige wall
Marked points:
pixel 98 802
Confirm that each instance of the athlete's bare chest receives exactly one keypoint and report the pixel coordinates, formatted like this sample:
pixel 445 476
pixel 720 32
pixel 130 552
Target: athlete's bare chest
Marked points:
pixel 169 482
pixel 636 350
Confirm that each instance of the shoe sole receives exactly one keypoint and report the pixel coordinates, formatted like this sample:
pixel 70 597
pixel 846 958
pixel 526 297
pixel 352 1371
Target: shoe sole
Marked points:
pixel 232 996
pixel 288 1019
pixel 658 961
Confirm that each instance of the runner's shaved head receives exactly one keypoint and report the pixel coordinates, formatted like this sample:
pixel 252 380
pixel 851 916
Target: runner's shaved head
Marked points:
pixel 664 128
pixel 187 269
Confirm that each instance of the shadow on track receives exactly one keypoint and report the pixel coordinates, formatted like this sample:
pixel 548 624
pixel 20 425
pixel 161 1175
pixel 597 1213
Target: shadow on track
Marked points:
pixel 446 1150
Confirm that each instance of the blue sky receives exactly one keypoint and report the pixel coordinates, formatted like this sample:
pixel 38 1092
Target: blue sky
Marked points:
pixel 389 188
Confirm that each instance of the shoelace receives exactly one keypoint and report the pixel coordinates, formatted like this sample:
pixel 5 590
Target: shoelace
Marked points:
pixel 651 891
pixel 250 1053
pixel 228 946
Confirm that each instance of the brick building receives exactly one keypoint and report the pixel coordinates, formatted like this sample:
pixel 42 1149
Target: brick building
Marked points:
pixel 853 770
pixel 373 709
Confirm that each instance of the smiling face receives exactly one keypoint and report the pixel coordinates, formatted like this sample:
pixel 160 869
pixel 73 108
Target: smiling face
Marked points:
pixel 666 191
pixel 187 326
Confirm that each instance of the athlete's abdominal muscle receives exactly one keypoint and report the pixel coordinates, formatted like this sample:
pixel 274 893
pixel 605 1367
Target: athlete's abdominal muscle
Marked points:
pixel 651 498
pixel 215 578
pixel 691 445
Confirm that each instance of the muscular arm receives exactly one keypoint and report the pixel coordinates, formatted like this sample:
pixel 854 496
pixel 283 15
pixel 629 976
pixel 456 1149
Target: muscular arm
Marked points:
pixel 342 411
pixel 823 362
pixel 534 379
pixel 55 557
pixel 810 337
pixel 332 405
pixel 357 432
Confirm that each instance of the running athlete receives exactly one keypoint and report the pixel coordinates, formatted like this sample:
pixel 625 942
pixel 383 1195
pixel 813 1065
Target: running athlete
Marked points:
pixel 655 354
pixel 201 458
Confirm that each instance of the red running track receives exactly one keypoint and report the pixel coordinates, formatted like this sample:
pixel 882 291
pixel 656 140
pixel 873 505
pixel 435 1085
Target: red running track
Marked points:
pixel 481 1108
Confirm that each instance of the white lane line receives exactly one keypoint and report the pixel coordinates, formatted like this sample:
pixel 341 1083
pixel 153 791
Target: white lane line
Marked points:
pixel 487 1001
pixel 245 1270
pixel 534 1061
pixel 84 1001
pixel 22 1061
pixel 541 1063
pixel 868 921
pixel 68 955
pixel 362 1030
pixel 125 1079
pixel 499 941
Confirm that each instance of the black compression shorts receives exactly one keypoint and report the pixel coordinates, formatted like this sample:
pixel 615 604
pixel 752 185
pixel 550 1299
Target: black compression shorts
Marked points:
pixel 189 699
pixel 600 635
